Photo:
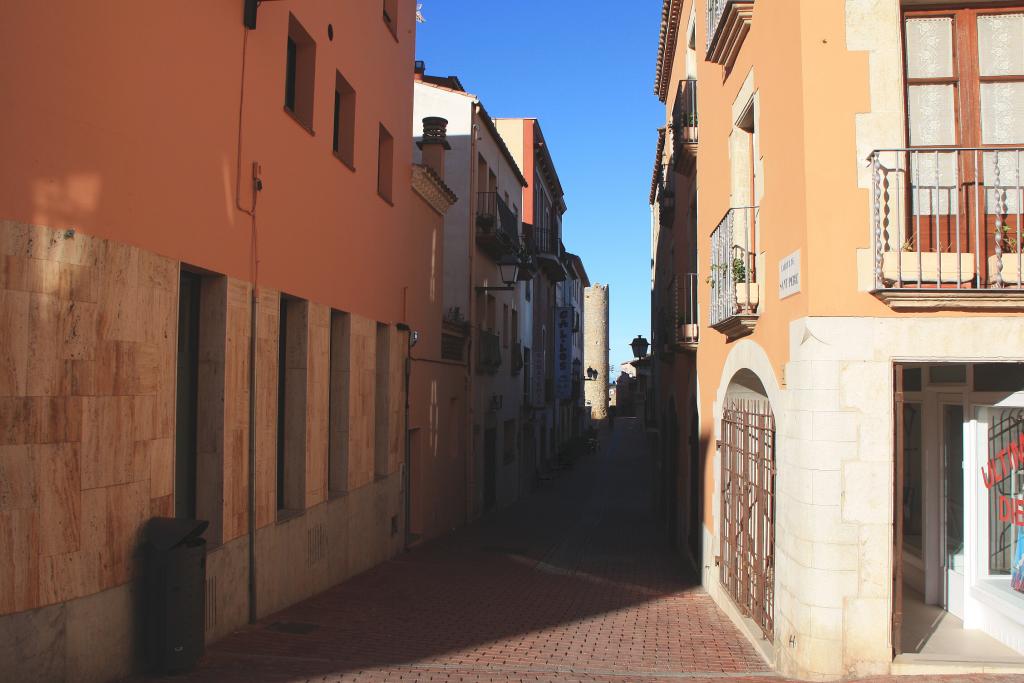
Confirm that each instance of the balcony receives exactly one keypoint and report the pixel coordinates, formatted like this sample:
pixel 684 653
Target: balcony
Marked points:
pixel 735 286
pixel 547 248
pixel 685 320
pixel 947 228
pixel 684 125
pixel 497 227
pixel 728 24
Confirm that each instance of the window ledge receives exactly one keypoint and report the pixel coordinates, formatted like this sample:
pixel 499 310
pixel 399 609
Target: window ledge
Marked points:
pixel 732 28
pixel 344 161
pixel 285 516
pixel 737 326
pixel 300 122
pixel 914 299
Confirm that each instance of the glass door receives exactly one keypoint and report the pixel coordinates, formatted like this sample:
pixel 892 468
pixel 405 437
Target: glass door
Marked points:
pixel 952 445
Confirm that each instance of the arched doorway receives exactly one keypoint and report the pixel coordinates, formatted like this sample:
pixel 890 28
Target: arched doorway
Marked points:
pixel 747 522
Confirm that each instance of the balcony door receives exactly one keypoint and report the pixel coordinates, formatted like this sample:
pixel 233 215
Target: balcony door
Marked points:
pixel 965 127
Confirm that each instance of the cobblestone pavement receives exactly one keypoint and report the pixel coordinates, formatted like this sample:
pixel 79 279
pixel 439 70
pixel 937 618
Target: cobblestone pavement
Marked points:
pixel 573 584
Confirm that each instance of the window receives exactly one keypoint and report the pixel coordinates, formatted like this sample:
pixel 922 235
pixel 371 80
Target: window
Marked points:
pixel 515 326
pixel 391 16
pixel 504 326
pixel 188 396
pixel 344 121
pixel 385 163
pixel 962 77
pixel 293 341
pixel 510 433
pixel 300 69
pixel 338 402
pixel 199 429
pixel 381 400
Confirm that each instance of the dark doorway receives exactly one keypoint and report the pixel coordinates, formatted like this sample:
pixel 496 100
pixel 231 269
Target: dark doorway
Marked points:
pixel 187 396
pixel 490 467
pixel 696 501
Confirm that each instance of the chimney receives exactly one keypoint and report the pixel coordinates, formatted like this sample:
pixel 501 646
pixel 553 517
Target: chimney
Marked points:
pixel 435 143
pixel 419 68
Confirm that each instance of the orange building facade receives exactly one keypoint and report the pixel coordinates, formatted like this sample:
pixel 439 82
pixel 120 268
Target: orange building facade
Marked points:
pixel 219 299
pixel 836 305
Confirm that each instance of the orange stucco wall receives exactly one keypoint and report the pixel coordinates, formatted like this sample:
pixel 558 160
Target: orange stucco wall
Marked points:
pixel 123 122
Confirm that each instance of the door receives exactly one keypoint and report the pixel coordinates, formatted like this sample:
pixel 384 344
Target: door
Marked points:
pixel 952 448
pixel 490 467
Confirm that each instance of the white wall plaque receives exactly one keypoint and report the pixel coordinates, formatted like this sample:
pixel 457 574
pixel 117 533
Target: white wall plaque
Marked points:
pixel 789 275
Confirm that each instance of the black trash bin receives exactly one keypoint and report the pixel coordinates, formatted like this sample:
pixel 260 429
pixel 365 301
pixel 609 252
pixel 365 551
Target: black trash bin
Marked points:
pixel 175 593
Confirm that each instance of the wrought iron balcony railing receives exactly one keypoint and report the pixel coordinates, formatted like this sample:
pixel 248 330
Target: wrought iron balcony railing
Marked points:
pixel 497 226
pixel 735 288
pixel 947 219
pixel 684 114
pixel 547 246
pixel 686 321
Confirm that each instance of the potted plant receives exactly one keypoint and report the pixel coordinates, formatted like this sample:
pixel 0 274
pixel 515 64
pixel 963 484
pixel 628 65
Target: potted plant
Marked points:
pixel 910 264
pixel 486 221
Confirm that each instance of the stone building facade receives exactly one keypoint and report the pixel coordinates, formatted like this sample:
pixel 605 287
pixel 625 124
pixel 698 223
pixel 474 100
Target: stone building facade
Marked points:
pixel 595 348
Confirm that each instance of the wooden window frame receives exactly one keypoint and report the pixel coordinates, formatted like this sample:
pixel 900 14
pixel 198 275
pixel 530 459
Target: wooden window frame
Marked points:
pixel 966 79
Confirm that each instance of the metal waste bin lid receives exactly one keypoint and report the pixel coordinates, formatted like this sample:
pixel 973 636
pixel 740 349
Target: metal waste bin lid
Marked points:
pixel 164 533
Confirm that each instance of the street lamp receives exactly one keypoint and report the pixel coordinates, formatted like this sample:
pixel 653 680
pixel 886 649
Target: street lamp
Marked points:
pixel 508 268
pixel 591 373
pixel 639 346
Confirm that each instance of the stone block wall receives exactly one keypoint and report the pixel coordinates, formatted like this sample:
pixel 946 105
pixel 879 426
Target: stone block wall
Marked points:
pixel 87 447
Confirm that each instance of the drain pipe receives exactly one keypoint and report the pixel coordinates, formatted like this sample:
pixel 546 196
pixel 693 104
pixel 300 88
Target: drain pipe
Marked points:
pixel 254 301
pixel 411 338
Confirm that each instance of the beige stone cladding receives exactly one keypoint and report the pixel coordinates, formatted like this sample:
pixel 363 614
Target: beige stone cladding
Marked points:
pixel 834 457
pixel 595 347
pixel 87 428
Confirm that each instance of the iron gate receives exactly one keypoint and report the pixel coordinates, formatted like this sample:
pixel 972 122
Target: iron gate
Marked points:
pixel 747 564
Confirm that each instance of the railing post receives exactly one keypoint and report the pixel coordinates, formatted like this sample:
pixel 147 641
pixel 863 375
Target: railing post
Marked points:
pixel 876 213
pixel 1000 209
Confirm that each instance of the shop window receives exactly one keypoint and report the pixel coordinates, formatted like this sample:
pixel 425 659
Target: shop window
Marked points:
pixel 1007 377
pixel 385 163
pixel 338 406
pixel 1002 513
pixel 293 342
pixel 344 121
pixel 300 69
pixel 947 374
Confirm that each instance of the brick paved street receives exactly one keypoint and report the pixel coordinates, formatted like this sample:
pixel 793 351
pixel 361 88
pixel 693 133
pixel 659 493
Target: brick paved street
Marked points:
pixel 574 584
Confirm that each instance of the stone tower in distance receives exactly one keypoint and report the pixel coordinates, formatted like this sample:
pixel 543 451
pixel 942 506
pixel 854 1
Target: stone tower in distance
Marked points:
pixel 595 347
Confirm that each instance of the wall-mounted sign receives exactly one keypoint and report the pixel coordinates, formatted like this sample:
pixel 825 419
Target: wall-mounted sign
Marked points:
pixel 563 352
pixel 789 275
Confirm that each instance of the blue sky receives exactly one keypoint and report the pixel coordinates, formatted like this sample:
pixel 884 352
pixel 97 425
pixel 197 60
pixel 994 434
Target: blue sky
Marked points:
pixel 586 70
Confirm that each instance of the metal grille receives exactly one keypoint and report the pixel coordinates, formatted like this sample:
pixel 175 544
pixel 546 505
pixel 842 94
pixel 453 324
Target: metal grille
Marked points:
pixel 747 566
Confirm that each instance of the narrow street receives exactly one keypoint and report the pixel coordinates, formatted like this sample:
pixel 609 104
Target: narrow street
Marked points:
pixel 575 583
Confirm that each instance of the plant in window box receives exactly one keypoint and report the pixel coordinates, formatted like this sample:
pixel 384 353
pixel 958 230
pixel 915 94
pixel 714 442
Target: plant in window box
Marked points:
pixel 688 331
pixel 486 221
pixel 1012 253
pixel 910 264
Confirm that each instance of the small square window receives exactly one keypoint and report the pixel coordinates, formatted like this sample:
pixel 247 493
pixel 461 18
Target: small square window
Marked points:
pixel 344 120
pixel 300 69
pixel 385 163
